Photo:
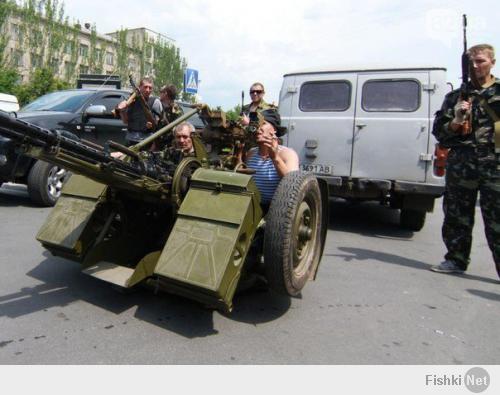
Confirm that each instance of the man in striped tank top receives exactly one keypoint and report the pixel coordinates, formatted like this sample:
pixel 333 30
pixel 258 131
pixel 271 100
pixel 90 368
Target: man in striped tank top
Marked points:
pixel 270 160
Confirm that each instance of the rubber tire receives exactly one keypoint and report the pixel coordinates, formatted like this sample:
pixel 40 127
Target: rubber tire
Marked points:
pixel 297 194
pixel 412 219
pixel 38 184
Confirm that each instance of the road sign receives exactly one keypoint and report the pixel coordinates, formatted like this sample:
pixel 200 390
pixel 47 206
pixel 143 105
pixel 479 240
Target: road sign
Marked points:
pixel 191 81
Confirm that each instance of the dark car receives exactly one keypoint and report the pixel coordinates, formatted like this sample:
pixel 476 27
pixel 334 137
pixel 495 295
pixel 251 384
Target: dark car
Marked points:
pixel 81 113
pixel 78 113
pixel 198 122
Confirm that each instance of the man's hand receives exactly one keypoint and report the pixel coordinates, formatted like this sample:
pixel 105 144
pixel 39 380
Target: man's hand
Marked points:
pixel 245 121
pixel 122 105
pixel 462 112
pixel 117 155
pixel 149 125
pixel 269 141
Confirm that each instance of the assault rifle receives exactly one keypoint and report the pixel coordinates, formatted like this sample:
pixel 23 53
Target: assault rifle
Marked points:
pixel 465 86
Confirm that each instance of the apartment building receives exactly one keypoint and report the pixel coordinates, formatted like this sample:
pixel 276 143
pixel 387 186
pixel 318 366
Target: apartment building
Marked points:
pixel 79 49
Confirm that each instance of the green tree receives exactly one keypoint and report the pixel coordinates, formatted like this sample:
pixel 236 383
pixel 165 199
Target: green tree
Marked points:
pixel 42 82
pixel 168 65
pixel 234 113
pixel 9 78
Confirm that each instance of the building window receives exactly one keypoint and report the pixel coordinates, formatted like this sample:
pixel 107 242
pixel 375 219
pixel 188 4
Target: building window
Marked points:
pixel 36 60
pixel 98 55
pixel 68 48
pixel 54 65
pixel 15 32
pixel 109 58
pixel 69 70
pixel 18 58
pixel 84 50
pixel 37 37
pixel 83 69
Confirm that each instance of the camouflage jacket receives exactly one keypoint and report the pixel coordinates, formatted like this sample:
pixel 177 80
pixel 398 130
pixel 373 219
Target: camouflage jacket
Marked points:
pixel 262 106
pixel 482 124
pixel 170 114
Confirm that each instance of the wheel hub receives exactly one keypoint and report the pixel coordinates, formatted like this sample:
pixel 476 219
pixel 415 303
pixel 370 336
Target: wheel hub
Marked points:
pixel 55 181
pixel 304 235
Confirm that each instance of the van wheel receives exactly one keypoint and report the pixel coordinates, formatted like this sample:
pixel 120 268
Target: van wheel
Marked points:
pixel 412 219
pixel 292 237
pixel 45 182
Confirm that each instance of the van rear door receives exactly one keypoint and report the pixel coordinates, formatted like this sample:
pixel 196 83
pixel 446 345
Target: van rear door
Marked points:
pixel 391 128
pixel 318 110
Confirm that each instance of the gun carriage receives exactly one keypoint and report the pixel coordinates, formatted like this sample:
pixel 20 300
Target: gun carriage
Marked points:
pixel 192 226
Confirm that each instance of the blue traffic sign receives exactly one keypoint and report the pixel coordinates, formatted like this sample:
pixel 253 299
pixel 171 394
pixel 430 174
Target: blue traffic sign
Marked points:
pixel 191 81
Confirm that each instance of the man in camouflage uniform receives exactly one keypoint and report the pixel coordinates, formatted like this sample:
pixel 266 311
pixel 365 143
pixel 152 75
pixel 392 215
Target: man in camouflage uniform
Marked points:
pixel 473 162
pixel 171 110
pixel 258 103
pixel 257 97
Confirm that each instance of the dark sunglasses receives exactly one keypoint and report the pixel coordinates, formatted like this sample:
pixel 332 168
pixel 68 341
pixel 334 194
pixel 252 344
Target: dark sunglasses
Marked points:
pixel 256 91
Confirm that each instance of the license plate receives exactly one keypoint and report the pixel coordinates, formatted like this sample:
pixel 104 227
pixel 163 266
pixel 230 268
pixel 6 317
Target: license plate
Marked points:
pixel 318 169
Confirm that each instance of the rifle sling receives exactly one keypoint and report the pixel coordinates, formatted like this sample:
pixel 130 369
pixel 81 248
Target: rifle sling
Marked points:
pixel 496 121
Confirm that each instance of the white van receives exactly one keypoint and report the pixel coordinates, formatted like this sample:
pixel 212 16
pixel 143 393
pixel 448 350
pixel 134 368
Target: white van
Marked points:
pixel 8 102
pixel 367 132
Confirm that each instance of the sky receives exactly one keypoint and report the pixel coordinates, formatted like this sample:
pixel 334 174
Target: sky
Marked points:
pixel 234 43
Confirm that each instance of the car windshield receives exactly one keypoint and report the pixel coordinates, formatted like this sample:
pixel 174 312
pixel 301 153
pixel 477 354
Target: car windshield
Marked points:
pixel 68 101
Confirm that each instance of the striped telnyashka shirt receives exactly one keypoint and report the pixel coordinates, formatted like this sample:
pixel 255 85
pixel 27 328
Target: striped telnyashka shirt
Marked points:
pixel 266 177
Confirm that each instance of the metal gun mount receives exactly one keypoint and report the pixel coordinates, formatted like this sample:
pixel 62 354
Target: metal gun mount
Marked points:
pixel 177 223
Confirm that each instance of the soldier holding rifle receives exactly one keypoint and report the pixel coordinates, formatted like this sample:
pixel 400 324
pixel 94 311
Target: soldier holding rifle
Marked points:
pixel 141 112
pixel 469 124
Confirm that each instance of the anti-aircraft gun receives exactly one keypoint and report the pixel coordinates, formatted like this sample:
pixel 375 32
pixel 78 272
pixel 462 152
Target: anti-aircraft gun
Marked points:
pixel 191 225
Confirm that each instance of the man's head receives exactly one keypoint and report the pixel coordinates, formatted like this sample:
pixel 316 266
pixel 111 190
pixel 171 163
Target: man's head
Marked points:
pixel 168 93
pixel 482 58
pixel 182 136
pixel 257 92
pixel 146 87
pixel 272 118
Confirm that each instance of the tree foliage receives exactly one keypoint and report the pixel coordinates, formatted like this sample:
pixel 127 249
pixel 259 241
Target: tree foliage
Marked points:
pixel 42 82
pixel 9 78
pixel 234 113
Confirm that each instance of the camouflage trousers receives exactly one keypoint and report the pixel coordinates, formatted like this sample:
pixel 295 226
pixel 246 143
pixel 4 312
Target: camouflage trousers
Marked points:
pixel 467 173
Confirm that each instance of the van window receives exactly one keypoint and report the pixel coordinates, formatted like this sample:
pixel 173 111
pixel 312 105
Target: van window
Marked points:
pixel 391 95
pixel 325 96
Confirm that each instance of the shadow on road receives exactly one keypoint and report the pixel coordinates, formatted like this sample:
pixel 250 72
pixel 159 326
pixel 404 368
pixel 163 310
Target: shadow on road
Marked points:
pixel 367 218
pixel 15 195
pixel 63 284
pixel 361 254
pixel 484 294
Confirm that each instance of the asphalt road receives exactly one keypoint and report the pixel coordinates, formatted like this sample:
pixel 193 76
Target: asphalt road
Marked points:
pixel 374 302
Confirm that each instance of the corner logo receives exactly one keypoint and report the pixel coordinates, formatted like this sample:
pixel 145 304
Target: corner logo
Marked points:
pixel 476 380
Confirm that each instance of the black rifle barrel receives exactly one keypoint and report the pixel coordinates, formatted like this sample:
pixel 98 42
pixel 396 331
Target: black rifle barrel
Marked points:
pixel 465 63
pixel 22 132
